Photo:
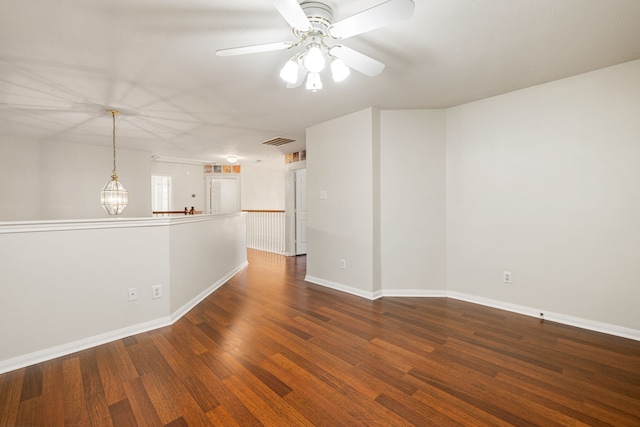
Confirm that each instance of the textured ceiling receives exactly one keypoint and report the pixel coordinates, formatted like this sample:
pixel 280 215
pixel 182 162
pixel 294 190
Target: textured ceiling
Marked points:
pixel 64 62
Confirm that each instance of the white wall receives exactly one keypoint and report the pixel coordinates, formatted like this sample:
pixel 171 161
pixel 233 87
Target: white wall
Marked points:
pixel 57 180
pixel 413 200
pixel 263 187
pixel 385 177
pixel 203 251
pixel 541 182
pixel 64 285
pixel 20 183
pixel 187 181
pixel 544 182
pixel 339 161
pixel 61 286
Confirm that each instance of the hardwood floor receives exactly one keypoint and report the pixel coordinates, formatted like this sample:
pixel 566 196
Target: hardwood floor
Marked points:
pixel 269 349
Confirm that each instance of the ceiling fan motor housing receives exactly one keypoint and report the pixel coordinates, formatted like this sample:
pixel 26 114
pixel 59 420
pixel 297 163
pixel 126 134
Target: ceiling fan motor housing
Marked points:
pixel 319 14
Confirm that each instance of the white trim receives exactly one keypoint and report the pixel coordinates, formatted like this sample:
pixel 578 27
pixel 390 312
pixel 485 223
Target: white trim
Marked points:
pixel 578 322
pixel 341 287
pixel 86 343
pixel 410 293
pixel 289 215
pixel 167 159
pixel 94 224
pixel 175 316
pixel 514 308
pixel 302 164
pixel 83 344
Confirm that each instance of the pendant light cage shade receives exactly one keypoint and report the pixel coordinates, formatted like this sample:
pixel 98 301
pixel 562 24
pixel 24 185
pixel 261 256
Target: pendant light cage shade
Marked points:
pixel 114 197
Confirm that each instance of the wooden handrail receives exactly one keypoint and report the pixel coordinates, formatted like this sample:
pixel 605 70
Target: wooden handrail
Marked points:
pixel 186 211
pixel 170 212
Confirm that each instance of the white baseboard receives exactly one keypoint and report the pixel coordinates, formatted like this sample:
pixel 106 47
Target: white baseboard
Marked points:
pixel 341 287
pixel 85 343
pixel 414 293
pixel 591 325
pixel 176 315
pixel 79 345
pixel 578 322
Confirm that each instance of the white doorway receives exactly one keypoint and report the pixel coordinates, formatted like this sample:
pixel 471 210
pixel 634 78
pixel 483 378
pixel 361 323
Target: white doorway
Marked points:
pixel 300 182
pixel 223 195
pixel 161 193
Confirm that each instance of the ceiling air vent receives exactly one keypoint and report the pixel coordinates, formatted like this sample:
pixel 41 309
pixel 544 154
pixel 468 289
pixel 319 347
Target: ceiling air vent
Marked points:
pixel 276 142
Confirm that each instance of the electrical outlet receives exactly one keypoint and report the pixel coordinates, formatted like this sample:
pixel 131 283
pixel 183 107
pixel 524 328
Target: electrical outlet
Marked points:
pixel 133 294
pixel 343 264
pixel 506 276
pixel 156 291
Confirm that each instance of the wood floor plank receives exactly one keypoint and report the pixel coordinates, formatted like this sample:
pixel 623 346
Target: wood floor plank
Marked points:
pixel 122 414
pixel 139 404
pixel 415 413
pixel 268 348
pixel 53 400
pixel 10 392
pixel 264 404
pixel 30 412
pixel 32 383
pixel 310 388
pixel 203 397
pixel 461 411
pixel 116 368
pixel 75 410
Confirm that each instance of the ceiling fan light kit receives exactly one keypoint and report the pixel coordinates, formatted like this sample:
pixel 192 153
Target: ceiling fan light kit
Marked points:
pixel 312 24
pixel 314 83
pixel 289 72
pixel 339 70
pixel 314 59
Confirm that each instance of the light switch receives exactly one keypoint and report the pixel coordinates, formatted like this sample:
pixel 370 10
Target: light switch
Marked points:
pixel 323 194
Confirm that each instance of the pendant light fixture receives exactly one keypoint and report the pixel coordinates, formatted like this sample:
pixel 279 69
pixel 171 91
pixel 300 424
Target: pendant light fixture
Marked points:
pixel 114 196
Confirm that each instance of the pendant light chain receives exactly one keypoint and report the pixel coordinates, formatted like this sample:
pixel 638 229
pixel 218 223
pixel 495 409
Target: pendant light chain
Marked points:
pixel 113 115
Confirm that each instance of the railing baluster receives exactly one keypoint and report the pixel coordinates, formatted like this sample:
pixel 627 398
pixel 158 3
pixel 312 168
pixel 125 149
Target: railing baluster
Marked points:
pixel 266 231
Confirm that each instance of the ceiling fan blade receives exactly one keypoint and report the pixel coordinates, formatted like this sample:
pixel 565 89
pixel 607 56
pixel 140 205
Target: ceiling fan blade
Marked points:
pixel 358 61
pixel 384 14
pixel 254 49
pixel 293 14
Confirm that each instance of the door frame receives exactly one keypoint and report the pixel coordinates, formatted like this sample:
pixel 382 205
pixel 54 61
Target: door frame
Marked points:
pixel 208 179
pixel 290 208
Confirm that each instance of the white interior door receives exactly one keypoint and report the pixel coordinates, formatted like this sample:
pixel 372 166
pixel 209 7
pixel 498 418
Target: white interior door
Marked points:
pixel 301 211
pixel 161 196
pixel 224 195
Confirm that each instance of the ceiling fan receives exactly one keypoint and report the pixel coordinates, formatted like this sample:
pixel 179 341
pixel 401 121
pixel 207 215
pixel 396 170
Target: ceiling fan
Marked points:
pixel 314 29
